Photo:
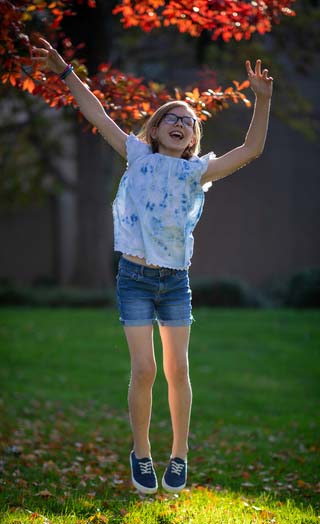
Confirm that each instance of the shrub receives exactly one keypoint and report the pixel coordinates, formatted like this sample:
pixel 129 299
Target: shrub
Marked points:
pixel 302 290
pixel 225 292
pixel 11 295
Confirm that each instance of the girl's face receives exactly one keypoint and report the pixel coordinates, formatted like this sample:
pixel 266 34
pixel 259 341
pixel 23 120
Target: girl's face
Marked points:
pixel 175 132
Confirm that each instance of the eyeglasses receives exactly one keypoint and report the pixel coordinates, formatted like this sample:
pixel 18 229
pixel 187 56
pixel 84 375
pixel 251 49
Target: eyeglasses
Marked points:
pixel 172 118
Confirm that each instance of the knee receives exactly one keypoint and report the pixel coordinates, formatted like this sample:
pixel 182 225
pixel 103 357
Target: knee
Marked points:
pixel 178 373
pixel 144 373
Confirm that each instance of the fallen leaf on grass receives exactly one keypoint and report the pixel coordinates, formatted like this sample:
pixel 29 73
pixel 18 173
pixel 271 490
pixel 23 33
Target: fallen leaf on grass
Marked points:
pixel 28 457
pixel 117 480
pixel 302 484
pixel 44 493
pixel 50 466
pixel 34 517
pixel 22 483
pixel 247 484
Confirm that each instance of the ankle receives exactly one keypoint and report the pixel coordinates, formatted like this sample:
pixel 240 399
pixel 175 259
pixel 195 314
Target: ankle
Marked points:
pixel 180 453
pixel 142 451
pixel 180 456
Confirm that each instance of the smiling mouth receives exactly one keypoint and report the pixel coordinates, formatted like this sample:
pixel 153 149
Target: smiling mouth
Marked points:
pixel 177 134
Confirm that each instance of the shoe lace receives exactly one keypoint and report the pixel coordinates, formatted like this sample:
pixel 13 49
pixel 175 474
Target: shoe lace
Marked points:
pixel 176 468
pixel 145 467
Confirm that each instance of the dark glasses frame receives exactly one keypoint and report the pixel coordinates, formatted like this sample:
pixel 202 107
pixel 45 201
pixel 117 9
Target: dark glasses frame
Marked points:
pixel 184 119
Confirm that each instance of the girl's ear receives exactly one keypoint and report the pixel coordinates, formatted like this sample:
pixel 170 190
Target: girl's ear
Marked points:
pixel 153 132
pixel 193 141
pixel 154 139
pixel 188 153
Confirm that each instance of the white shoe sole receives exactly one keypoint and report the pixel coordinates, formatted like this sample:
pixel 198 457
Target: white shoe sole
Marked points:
pixel 143 489
pixel 172 489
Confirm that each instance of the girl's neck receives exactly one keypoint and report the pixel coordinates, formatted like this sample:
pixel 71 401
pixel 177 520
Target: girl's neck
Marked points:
pixel 169 152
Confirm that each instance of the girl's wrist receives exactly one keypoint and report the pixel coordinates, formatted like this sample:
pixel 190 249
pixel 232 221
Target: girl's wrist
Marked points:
pixel 263 97
pixel 66 71
pixel 60 67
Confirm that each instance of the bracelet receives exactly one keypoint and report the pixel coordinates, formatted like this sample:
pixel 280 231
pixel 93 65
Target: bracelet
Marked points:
pixel 66 72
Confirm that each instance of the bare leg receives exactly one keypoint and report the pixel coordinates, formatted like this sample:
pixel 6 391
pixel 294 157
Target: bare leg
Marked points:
pixel 175 342
pixel 143 372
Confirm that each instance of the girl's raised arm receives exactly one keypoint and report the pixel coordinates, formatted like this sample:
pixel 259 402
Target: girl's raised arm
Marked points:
pixel 48 58
pixel 254 142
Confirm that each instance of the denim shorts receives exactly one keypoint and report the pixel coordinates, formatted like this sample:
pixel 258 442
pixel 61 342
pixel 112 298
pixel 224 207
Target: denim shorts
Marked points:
pixel 146 294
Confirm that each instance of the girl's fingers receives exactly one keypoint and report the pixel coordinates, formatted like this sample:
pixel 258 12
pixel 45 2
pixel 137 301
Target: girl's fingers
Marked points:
pixel 39 59
pixel 258 67
pixel 45 43
pixel 39 51
pixel 248 67
pixel 257 70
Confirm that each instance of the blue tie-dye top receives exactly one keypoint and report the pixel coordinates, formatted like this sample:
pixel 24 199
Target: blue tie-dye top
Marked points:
pixel 158 204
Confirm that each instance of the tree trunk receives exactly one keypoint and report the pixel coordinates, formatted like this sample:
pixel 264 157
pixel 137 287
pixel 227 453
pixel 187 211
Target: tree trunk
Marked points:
pixel 94 244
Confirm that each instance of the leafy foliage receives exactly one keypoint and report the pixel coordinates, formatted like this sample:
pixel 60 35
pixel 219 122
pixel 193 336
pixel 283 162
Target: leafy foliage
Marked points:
pixel 222 18
pixel 126 97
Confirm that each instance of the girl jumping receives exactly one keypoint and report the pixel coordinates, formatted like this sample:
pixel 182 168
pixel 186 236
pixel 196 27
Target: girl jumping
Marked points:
pixel 158 204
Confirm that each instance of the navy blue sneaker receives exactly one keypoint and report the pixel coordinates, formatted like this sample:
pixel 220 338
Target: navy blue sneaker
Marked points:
pixel 143 475
pixel 175 476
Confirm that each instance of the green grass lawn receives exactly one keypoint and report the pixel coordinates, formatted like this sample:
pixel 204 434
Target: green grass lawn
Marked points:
pixel 65 438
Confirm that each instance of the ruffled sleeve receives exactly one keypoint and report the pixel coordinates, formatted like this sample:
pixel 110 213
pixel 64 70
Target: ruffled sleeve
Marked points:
pixel 136 149
pixel 201 164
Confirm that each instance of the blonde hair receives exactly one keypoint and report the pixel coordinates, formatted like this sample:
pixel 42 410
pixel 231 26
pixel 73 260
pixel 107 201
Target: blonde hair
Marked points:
pixel 155 119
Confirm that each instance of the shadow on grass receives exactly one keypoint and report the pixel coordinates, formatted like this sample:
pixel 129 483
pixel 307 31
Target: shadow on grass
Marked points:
pixel 71 466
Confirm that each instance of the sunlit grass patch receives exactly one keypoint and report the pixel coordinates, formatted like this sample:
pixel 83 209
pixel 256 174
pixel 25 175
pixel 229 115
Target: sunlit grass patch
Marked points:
pixel 65 436
pixel 204 506
pixel 194 506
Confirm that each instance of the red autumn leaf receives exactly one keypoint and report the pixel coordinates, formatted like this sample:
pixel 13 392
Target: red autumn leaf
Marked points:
pixel 243 85
pixel 28 85
pixel 34 516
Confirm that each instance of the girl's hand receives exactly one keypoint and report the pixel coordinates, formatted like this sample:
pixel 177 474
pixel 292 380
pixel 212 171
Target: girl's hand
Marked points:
pixel 48 58
pixel 260 83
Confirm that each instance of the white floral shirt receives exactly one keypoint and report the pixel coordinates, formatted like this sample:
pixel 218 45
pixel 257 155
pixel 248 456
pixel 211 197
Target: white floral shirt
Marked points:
pixel 158 204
